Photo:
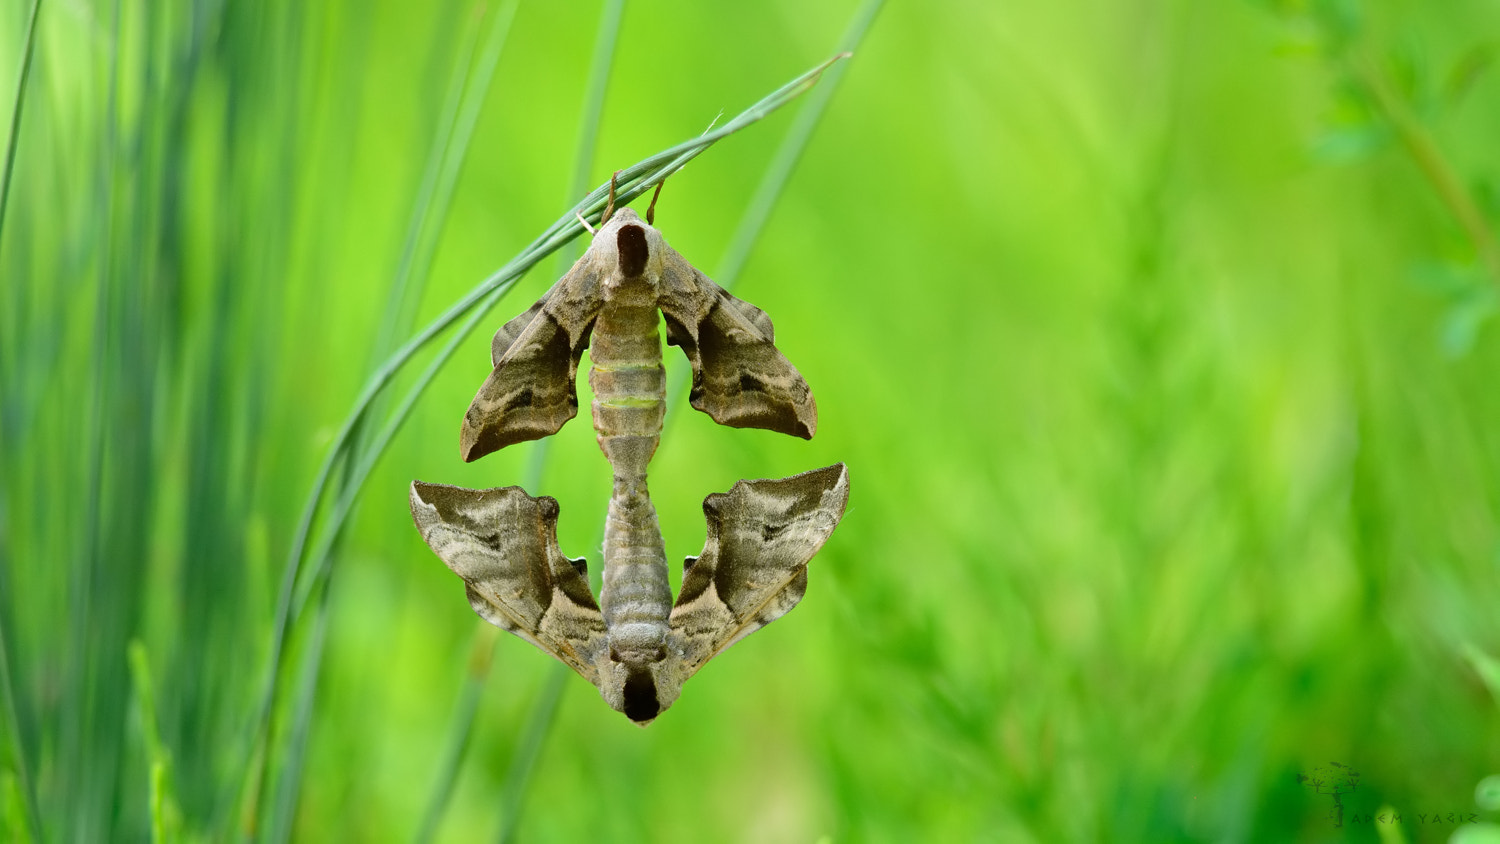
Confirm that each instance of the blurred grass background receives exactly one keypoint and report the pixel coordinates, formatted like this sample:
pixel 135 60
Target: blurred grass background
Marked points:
pixel 1157 336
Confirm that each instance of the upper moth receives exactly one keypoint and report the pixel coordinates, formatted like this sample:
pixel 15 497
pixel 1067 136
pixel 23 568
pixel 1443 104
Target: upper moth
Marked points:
pixel 635 644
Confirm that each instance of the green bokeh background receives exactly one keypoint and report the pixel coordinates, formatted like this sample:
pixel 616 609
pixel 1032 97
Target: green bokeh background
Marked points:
pixel 1164 374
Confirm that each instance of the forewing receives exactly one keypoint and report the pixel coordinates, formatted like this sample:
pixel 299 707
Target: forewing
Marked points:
pixel 532 390
pixel 753 570
pixel 503 543
pixel 740 378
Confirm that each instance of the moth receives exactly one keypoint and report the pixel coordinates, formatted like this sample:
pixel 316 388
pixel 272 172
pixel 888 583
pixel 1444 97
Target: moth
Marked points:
pixel 636 644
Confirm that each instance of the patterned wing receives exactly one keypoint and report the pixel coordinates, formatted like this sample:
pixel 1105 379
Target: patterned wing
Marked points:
pixel 753 570
pixel 503 543
pixel 740 378
pixel 532 390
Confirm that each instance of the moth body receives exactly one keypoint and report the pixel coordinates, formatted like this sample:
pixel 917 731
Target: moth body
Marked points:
pixel 629 386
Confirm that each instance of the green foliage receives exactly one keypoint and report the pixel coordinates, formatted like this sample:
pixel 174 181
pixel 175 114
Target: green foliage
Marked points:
pixel 1158 339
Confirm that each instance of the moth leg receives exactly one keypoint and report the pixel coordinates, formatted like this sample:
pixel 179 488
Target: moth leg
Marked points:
pixel 588 228
pixel 651 209
pixel 609 206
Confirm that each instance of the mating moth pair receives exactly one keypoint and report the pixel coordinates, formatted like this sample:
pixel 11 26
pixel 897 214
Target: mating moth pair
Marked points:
pixel 636 645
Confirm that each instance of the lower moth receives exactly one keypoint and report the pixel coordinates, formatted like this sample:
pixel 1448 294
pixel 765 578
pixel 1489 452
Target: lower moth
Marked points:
pixel 636 644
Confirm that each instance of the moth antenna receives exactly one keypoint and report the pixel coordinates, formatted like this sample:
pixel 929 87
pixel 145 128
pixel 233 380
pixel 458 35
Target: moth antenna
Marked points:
pixel 651 209
pixel 609 207
pixel 584 222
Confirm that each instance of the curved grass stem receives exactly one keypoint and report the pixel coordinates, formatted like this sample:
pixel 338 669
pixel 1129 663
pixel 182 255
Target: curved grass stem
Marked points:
pixel 632 181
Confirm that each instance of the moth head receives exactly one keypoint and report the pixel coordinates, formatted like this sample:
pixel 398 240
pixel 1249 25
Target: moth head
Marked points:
pixel 627 248
pixel 641 689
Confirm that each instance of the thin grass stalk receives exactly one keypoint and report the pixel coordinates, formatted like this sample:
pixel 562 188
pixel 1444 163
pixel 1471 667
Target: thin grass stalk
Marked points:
pixel 600 67
pixel 79 761
pixel 1424 151
pixel 454 153
pixel 432 175
pixel 160 797
pixel 517 779
pixel 588 141
pixel 15 113
pixel 462 724
pixel 283 807
pixel 523 762
pixel 481 658
pixel 636 179
pixel 360 472
pixel 469 91
pixel 777 174
pixel 779 171
pixel 33 812
pixel 454 146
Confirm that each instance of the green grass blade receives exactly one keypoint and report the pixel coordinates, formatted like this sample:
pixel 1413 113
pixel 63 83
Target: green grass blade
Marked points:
pixel 481 657
pixel 789 153
pixel 634 180
pixel 15 113
pixel 19 759
pixel 778 172
pixel 518 775
pixel 360 472
pixel 282 811
pixel 88 751
pixel 434 175
pixel 593 110
pixel 645 174
pixel 162 803
pixel 1486 666
pixel 453 148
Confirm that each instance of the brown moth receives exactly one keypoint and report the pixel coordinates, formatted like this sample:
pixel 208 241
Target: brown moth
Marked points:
pixel 636 645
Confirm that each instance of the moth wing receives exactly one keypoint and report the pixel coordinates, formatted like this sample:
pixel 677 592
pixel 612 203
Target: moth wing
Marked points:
pixel 532 390
pixel 506 335
pixel 740 378
pixel 753 569
pixel 503 543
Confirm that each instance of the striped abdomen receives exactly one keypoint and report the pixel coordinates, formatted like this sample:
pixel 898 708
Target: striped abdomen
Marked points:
pixel 629 388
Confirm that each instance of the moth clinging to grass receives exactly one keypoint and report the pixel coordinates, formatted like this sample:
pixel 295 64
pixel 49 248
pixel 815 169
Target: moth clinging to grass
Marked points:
pixel 636 645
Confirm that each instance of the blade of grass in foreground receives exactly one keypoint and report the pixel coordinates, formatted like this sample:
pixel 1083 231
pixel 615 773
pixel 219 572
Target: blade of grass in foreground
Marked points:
pixel 31 810
pixel 631 182
pixel 518 776
pixel 162 803
pixel 15 113
pixel 468 90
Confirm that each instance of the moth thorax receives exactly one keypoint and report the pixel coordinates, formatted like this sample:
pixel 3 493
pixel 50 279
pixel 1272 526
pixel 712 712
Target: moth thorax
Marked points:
pixel 634 250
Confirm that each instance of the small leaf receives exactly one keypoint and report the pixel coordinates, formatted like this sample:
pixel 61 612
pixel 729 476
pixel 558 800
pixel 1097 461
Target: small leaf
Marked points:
pixel 1349 143
pixel 1467 70
pixel 1340 19
pixel 1486 666
pixel 1463 322
pixel 1407 70
pixel 1487 195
